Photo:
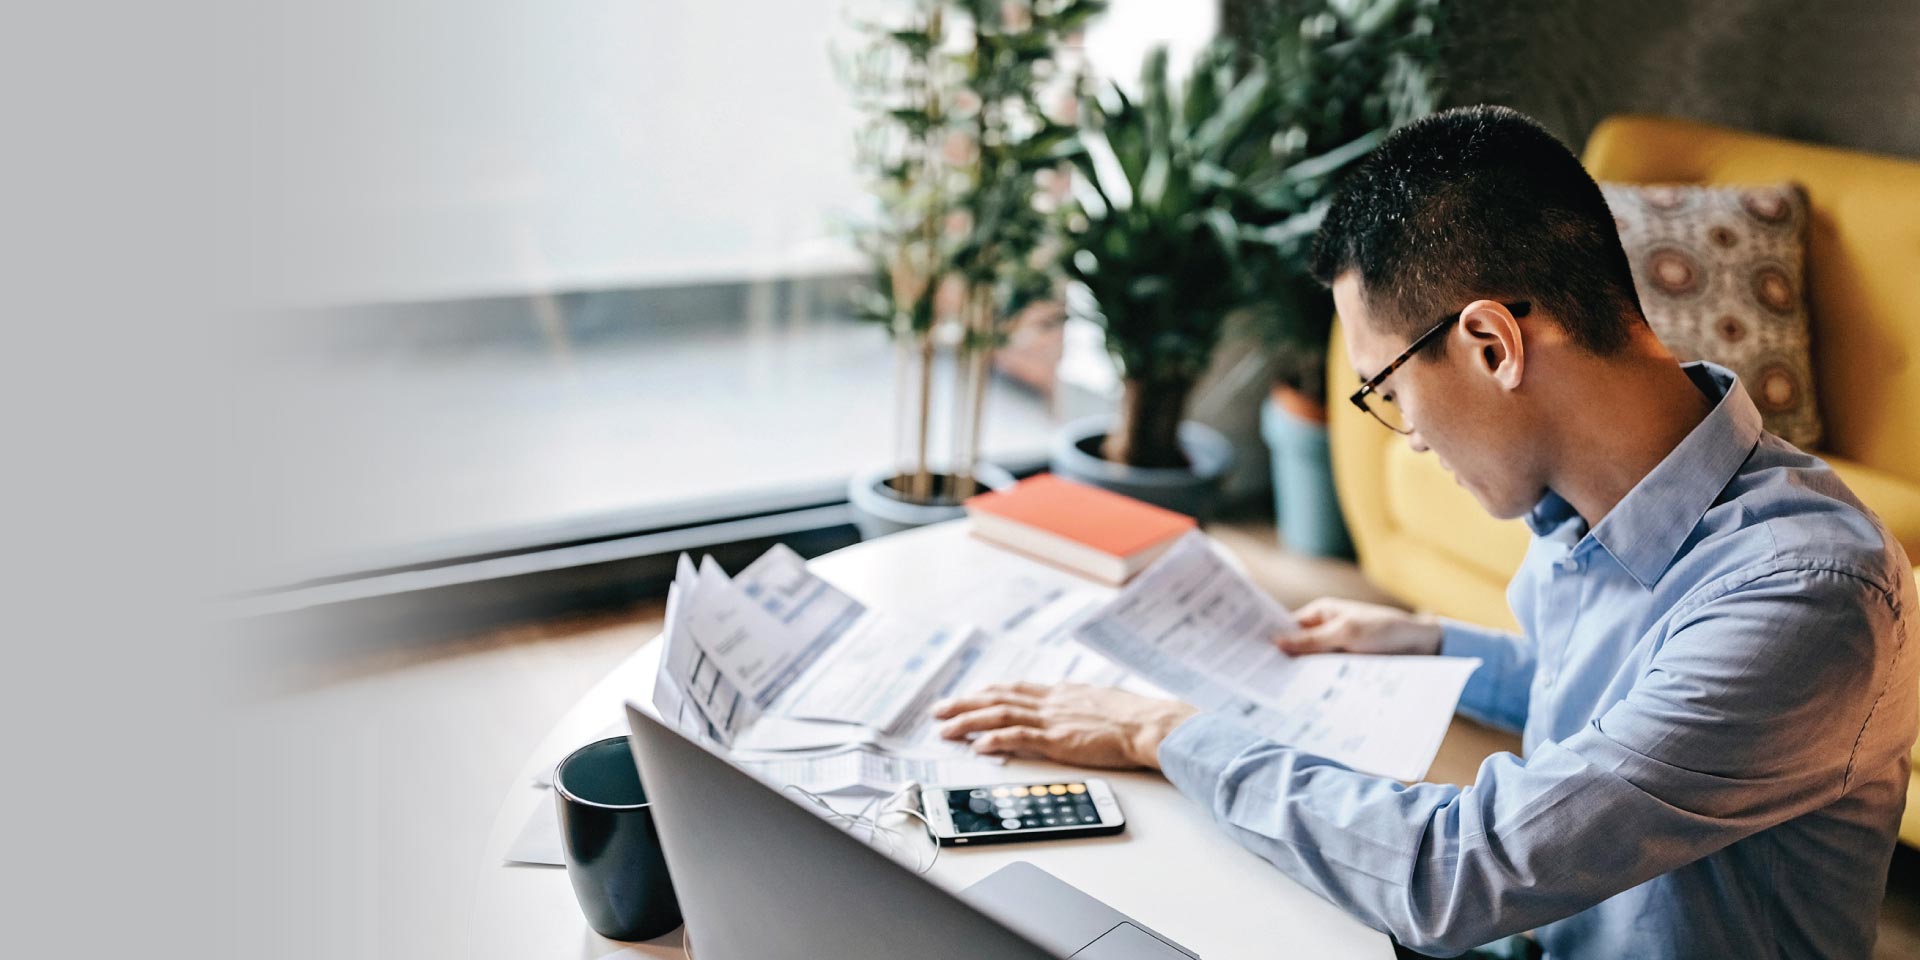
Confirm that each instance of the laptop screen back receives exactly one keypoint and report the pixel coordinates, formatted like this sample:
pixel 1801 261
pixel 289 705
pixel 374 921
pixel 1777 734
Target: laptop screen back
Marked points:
pixel 759 876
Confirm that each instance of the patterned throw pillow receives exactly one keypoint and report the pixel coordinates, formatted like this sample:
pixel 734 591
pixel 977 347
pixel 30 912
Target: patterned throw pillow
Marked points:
pixel 1720 271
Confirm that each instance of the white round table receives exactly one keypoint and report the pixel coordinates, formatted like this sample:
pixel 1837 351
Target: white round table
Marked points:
pixel 1172 869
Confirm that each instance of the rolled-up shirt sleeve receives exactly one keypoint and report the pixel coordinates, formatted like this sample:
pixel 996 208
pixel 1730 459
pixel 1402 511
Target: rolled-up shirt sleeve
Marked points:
pixel 1496 694
pixel 1718 741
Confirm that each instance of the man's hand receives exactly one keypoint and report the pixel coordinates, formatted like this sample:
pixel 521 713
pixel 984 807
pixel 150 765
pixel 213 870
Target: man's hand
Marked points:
pixel 1070 723
pixel 1330 625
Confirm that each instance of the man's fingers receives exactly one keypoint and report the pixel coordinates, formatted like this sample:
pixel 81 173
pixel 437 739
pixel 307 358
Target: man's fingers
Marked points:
pixel 1303 643
pixel 1320 630
pixel 1018 693
pixel 981 699
pixel 1013 741
pixel 1311 614
pixel 990 718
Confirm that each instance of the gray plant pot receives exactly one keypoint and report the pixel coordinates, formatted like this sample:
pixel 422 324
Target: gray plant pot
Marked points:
pixel 1194 491
pixel 878 510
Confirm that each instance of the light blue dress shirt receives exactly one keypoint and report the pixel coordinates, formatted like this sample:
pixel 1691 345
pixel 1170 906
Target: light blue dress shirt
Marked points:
pixel 1716 692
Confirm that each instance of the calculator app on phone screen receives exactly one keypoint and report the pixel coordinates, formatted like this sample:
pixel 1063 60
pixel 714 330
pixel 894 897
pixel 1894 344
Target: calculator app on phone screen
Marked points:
pixel 999 813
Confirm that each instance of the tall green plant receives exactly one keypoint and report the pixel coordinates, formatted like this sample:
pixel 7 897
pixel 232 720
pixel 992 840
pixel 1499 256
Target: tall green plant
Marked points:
pixel 955 138
pixel 1342 74
pixel 1155 238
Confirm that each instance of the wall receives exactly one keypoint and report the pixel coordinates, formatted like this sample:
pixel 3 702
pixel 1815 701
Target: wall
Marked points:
pixel 1841 72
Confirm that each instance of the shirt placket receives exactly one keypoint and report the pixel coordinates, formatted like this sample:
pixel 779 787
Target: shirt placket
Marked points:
pixel 1559 595
pixel 1565 578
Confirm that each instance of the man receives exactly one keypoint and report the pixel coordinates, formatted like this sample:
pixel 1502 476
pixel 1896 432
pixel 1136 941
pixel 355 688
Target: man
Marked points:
pixel 1716 684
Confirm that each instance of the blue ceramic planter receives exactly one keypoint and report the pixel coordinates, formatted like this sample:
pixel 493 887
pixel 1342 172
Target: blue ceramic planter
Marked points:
pixel 1305 505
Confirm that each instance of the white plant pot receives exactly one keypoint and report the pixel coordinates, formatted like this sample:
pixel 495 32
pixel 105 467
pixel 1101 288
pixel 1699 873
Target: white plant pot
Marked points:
pixel 879 510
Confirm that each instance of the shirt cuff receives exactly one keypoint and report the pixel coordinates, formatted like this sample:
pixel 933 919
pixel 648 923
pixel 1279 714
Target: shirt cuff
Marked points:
pixel 1198 752
pixel 1484 697
pixel 1466 640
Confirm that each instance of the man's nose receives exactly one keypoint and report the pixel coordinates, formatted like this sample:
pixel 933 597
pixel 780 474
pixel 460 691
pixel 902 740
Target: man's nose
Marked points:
pixel 1415 441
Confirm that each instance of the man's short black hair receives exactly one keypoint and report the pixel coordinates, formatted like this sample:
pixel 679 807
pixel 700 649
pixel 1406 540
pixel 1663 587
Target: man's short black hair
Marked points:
pixel 1479 202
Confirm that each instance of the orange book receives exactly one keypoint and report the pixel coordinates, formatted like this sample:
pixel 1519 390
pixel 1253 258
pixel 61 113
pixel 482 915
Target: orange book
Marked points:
pixel 1095 532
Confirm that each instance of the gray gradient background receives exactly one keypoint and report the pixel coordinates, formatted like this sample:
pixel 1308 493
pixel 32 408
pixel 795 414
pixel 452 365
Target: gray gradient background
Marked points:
pixel 145 152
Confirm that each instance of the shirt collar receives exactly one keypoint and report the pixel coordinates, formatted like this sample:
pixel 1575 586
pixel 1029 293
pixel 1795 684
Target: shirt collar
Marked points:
pixel 1646 528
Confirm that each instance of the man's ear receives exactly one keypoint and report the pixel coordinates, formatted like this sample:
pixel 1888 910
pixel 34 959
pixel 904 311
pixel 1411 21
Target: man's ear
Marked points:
pixel 1491 334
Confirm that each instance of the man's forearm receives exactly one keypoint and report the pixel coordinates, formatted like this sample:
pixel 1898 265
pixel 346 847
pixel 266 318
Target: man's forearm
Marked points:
pixel 1497 694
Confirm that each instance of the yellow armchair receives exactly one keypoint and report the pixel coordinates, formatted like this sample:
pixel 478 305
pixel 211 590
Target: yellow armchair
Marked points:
pixel 1423 538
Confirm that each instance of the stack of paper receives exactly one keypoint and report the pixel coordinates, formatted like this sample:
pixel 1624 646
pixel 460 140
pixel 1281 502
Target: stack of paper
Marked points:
pixel 802 684
pixel 1193 625
pixel 798 681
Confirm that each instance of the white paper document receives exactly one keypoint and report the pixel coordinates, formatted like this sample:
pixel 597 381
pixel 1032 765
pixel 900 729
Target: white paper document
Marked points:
pixel 1025 633
pixel 879 673
pixel 689 682
pixel 1194 626
pixel 749 646
pixel 779 661
pixel 781 584
pixel 867 769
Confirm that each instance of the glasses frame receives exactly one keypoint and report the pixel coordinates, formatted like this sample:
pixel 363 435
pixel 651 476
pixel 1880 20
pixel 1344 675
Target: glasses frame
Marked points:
pixel 1518 308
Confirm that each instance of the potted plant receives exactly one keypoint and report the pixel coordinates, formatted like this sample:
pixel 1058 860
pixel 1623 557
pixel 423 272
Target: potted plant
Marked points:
pixel 1157 256
pixel 1342 73
pixel 955 141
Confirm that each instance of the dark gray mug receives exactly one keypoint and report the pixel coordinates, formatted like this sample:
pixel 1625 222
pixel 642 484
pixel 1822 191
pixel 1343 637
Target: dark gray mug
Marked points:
pixel 612 849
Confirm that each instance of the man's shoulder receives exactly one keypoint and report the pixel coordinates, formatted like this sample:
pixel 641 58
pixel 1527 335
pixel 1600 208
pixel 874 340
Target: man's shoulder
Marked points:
pixel 1792 585
pixel 1787 514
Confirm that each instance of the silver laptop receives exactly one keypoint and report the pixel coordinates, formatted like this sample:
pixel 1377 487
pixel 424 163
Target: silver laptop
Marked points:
pixel 759 876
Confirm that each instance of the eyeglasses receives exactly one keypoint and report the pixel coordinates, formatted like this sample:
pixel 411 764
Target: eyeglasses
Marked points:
pixel 1382 408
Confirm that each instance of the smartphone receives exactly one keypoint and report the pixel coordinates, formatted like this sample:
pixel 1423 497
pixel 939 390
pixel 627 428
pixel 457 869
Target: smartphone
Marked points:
pixel 1011 812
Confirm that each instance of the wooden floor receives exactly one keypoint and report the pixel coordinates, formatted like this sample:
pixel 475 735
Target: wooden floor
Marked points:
pixel 430 740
